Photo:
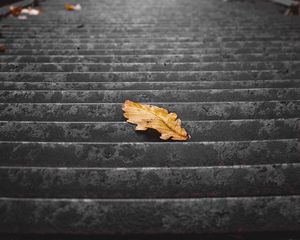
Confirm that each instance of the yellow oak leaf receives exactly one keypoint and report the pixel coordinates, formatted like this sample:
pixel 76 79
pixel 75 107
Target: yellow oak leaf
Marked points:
pixel 71 7
pixel 148 116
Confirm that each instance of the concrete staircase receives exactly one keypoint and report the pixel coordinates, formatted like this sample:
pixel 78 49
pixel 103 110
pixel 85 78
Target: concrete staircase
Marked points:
pixel 70 163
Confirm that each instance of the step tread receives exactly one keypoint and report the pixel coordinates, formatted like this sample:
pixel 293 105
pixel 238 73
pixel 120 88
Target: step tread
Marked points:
pixel 113 111
pixel 222 130
pixel 108 216
pixel 170 182
pixel 148 154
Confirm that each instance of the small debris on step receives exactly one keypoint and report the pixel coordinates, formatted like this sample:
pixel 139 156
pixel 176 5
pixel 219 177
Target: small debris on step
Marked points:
pixel 15 11
pixel 31 11
pixel 2 48
pixel 293 6
pixel 293 10
pixel 19 12
pixel 71 7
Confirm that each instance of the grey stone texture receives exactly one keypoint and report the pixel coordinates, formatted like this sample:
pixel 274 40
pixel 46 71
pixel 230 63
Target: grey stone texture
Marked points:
pixel 69 162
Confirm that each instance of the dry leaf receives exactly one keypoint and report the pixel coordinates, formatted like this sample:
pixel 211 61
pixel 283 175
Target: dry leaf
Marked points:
pixel 2 48
pixel 71 7
pixel 30 11
pixel 147 116
pixel 15 11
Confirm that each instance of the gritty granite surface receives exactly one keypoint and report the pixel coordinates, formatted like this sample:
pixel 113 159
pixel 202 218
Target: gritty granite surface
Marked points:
pixel 70 164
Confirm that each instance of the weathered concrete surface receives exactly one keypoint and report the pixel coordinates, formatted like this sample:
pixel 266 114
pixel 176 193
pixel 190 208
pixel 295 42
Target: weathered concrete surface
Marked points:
pixel 69 163
pixel 146 154
pixel 150 216
pixel 213 76
pixel 225 130
pixel 178 182
pixel 152 67
pixel 113 111
pixel 154 85
pixel 119 96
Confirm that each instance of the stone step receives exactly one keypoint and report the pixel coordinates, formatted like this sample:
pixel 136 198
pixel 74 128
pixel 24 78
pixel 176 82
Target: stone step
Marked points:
pixel 119 96
pixel 204 37
pixel 183 27
pixel 148 76
pixel 167 45
pixel 171 58
pixel 162 51
pixel 57 85
pixel 77 32
pixel 208 20
pixel 113 111
pixel 213 24
pixel 143 32
pixel 247 235
pixel 70 164
pixel 148 154
pixel 132 67
pixel 177 39
pixel 78 216
pixel 225 130
pixel 178 182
